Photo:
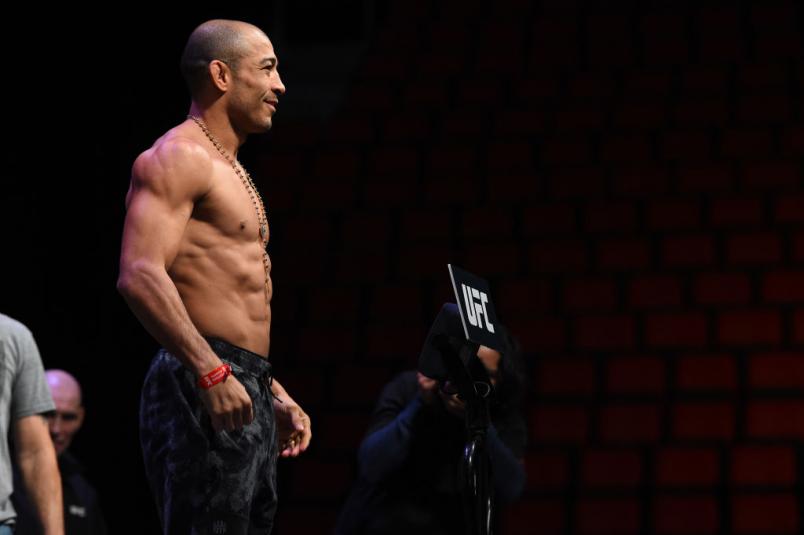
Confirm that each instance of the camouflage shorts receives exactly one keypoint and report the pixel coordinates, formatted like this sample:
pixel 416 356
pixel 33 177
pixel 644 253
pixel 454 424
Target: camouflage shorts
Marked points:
pixel 206 482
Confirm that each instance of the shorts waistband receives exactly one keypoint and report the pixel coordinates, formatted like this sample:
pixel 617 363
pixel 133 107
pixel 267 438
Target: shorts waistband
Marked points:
pixel 249 361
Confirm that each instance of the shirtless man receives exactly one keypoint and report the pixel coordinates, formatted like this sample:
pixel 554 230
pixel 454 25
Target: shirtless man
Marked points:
pixel 194 270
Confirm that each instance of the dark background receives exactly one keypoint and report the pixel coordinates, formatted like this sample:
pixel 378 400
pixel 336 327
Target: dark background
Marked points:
pixel 627 175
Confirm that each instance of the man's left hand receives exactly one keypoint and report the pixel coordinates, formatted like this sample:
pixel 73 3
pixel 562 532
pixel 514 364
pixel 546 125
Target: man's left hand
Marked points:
pixel 293 427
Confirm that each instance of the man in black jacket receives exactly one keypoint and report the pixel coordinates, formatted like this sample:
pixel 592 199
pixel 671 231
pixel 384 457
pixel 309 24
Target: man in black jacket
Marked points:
pixel 408 461
pixel 82 514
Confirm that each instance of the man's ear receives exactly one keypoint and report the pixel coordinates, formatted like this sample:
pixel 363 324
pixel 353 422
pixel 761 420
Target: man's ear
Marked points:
pixel 220 74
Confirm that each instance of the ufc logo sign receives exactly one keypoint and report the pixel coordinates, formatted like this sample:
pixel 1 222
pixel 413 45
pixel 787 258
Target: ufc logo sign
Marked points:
pixel 475 306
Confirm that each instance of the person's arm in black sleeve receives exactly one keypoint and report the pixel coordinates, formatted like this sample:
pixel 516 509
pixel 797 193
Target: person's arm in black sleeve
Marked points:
pixel 506 441
pixel 387 442
pixel 508 469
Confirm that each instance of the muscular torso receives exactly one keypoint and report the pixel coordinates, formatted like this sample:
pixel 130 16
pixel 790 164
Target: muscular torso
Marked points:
pixel 219 269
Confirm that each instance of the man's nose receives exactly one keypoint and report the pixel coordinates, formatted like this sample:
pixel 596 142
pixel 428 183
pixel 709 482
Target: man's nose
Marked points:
pixel 279 87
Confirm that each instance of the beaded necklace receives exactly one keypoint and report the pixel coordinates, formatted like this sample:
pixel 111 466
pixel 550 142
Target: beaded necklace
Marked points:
pixel 253 193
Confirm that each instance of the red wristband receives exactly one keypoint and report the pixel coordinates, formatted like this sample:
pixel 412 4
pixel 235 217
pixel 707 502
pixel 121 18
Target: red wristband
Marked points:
pixel 214 377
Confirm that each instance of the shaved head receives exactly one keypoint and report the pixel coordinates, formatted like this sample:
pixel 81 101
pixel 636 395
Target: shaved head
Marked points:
pixel 64 386
pixel 224 40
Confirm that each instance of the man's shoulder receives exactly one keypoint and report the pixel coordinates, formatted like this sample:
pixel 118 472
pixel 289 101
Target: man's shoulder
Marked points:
pixel 175 155
pixel 13 329
pixel 174 150
pixel 73 475
pixel 9 323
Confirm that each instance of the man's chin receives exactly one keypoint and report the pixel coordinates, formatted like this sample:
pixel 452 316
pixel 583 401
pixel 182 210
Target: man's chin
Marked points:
pixel 263 127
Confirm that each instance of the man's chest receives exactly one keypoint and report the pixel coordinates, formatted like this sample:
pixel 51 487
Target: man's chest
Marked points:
pixel 234 209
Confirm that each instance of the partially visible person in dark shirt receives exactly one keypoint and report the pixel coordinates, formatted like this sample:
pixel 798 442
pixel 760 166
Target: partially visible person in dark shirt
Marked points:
pixel 82 513
pixel 408 462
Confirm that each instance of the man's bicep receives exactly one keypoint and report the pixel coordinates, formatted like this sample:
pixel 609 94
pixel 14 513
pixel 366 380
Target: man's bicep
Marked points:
pixel 153 227
pixel 30 434
pixel 165 185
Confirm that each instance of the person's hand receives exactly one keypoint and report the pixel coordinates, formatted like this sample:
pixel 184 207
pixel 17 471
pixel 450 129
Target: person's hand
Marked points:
pixel 454 405
pixel 427 388
pixel 293 427
pixel 228 405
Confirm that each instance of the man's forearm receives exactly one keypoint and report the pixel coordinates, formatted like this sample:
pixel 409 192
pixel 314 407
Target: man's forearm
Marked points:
pixel 154 299
pixel 40 472
pixel 43 483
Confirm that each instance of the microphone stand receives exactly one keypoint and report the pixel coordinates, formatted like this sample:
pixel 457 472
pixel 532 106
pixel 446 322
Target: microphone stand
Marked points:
pixel 475 470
